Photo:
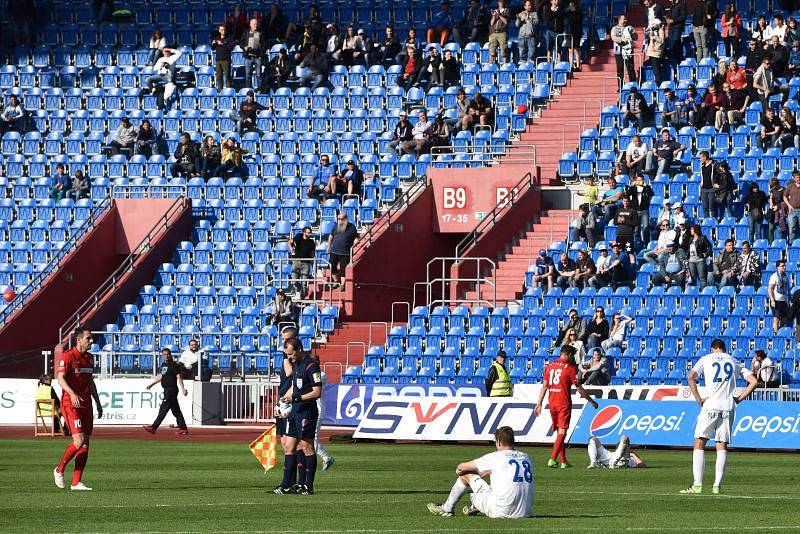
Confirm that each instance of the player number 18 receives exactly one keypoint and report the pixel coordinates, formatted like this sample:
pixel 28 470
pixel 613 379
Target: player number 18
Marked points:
pixel 524 468
pixel 555 376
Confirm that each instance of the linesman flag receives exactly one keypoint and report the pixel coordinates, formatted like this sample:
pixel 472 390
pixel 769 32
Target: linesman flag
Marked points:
pixel 264 448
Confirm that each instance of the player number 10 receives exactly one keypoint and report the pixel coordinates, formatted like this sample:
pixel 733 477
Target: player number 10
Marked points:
pixel 525 467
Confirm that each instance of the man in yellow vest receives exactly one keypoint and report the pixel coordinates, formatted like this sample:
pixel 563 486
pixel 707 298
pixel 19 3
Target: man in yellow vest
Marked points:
pixel 498 383
pixel 44 391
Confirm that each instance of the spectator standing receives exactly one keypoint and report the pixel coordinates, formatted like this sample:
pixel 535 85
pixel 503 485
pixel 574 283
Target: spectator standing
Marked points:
pixel 755 206
pixel 777 29
pixel 498 32
pixel 704 20
pixel 402 133
pixel 480 108
pixel 777 212
pixel 616 334
pixel 304 250
pixel 700 253
pixel 441 25
pixel 637 110
pixel 316 67
pixel 656 49
pixel 125 138
pixel 389 48
pixel 779 56
pixel 623 36
pixel 778 290
pixel 751 266
pixel 671 268
pixel 760 33
pixel 724 186
pixel 677 21
pixel 543 271
pixel 574 18
pixel 248 113
pixel 278 70
pixel 498 383
pixel 574 324
pixel 80 186
pixel 553 22
pixel 565 269
pixel 585 226
pixel 222 44
pixel 641 194
pixel 595 371
pixel 146 140
pixel 527 22
pixel 584 270
pixel 627 220
pixel 340 244
pixel 597 329
pixel 169 378
pixel 157 43
pixel 333 46
pixel 420 135
pixel 473 26
pixel 791 198
pixel 727 264
pixel 708 176
pixel 634 159
pixel 185 157
pixel 411 41
pixel 61 183
pixel 209 158
pixel 731 26
pixel 665 151
pixel 275 26
pixel 253 44
pixel 766 371
pixel 653 11
pixel 410 72
pixel 236 22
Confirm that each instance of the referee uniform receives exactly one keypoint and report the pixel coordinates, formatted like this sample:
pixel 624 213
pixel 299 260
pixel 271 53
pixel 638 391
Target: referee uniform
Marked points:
pixel 170 370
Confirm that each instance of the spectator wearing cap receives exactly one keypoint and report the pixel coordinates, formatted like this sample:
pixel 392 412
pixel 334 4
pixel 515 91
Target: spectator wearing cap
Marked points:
pixel 319 187
pixel 278 70
pixel 498 382
pixel 615 271
pixel 670 115
pixel 724 186
pixel 125 138
pixel 410 72
pixel 585 269
pixel 441 25
pixel 498 32
pixel 665 151
pixel 727 265
pixel 584 226
pixel 565 269
pixel 678 215
pixel 641 194
pixel 420 136
pixel 671 267
pixel 665 237
pixel 610 201
pixel 402 133
pixel 222 44
pixel 543 271
pixel 765 370
pixel 636 110
pixel 248 113
pixel 634 160
pixel 708 172
pixel 699 254
pixel 594 371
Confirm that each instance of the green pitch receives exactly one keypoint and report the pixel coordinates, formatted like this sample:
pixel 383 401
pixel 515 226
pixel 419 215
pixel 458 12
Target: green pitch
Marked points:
pixel 149 486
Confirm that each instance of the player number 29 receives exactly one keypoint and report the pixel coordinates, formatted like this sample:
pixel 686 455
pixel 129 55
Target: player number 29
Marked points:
pixel 719 369
pixel 555 376
pixel 522 470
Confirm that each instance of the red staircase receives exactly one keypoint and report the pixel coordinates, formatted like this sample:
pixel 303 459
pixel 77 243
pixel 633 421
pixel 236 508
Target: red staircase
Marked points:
pixel 347 346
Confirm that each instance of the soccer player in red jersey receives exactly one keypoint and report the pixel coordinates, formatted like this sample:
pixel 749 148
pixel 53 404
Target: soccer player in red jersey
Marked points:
pixel 559 377
pixel 74 374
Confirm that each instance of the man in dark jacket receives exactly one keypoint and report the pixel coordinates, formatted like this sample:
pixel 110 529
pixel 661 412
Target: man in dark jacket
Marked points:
pixel 665 150
pixel 279 70
pixel 778 56
pixel 248 113
pixel 222 44
pixel 389 48
pixel 573 323
pixel 474 26
pixel 641 194
pixel 430 73
pixel 704 20
pixel 275 26
pixel 185 155
pixel 724 186
pixel 316 65
pixel 637 109
pixel 340 244
pixel 627 221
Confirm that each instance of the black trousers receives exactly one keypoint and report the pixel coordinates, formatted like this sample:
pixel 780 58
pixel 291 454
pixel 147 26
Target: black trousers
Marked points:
pixel 170 402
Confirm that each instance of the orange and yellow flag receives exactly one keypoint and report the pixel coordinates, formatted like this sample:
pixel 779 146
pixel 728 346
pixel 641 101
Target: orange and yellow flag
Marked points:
pixel 265 448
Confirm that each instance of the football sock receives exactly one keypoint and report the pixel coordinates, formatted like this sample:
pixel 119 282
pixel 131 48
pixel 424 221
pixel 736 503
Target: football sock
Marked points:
pixel 80 463
pixel 311 470
pixel 301 468
pixel 459 489
pixel 289 470
pixel 592 451
pixel 68 454
pixel 557 445
pixel 719 468
pixel 698 464
pixel 562 453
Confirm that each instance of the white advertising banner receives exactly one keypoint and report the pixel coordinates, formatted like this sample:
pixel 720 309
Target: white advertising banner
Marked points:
pixel 125 401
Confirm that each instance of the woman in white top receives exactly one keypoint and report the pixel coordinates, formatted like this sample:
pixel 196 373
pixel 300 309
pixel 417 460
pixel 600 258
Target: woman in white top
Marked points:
pixel 616 334
pixel 352 48
pixel 571 339
pixel 157 44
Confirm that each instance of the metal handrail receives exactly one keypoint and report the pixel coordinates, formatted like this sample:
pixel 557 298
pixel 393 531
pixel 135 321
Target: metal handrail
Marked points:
pixel 127 191
pixel 38 280
pixel 480 153
pixel 445 279
pixel 279 280
pixel 493 216
pixel 382 222
pixel 128 264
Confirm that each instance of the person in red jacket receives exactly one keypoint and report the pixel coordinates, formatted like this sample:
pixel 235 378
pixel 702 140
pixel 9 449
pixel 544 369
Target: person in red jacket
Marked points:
pixel 713 102
pixel 559 377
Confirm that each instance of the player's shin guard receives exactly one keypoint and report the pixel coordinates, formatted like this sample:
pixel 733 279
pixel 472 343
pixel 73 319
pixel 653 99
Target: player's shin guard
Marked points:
pixel 80 463
pixel 557 446
pixel 698 465
pixel 457 491
pixel 719 467
pixel 70 451
pixel 311 470
pixel 301 468
pixel 289 470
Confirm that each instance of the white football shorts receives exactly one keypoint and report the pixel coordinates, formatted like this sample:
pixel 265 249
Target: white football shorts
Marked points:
pixel 714 425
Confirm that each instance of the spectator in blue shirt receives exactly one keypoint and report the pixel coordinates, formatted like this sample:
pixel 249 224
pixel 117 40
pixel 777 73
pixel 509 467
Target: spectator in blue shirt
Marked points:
pixel 669 109
pixel 543 271
pixel 566 268
pixel 610 201
pixel 441 25
pixel 61 183
pixel 689 107
pixel 320 186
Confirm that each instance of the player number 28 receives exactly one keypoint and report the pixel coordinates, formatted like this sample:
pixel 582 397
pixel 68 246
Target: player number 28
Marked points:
pixel 525 468
pixel 719 369
pixel 555 376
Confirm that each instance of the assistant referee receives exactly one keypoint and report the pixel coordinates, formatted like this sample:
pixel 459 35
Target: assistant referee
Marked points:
pixel 170 378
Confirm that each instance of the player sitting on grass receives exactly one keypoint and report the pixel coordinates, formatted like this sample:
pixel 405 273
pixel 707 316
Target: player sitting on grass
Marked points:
pixel 559 377
pixel 621 458
pixel 510 494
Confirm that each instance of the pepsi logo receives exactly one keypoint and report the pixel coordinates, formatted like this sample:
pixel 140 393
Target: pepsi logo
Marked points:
pixel 605 422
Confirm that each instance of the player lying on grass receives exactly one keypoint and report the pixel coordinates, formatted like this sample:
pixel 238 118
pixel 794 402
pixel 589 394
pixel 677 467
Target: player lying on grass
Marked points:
pixel 621 458
pixel 559 377
pixel 510 494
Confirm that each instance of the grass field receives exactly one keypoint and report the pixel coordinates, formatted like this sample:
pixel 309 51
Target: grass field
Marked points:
pixel 185 486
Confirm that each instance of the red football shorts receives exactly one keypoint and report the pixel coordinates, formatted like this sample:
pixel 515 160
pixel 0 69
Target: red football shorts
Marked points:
pixel 560 417
pixel 79 420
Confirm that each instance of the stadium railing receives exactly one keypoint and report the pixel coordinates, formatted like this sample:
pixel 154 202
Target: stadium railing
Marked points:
pixel 249 402
pixel 443 281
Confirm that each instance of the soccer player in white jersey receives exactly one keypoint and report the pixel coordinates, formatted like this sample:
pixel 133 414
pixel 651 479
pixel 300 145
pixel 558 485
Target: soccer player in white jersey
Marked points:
pixel 510 494
pixel 715 421
pixel 621 458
